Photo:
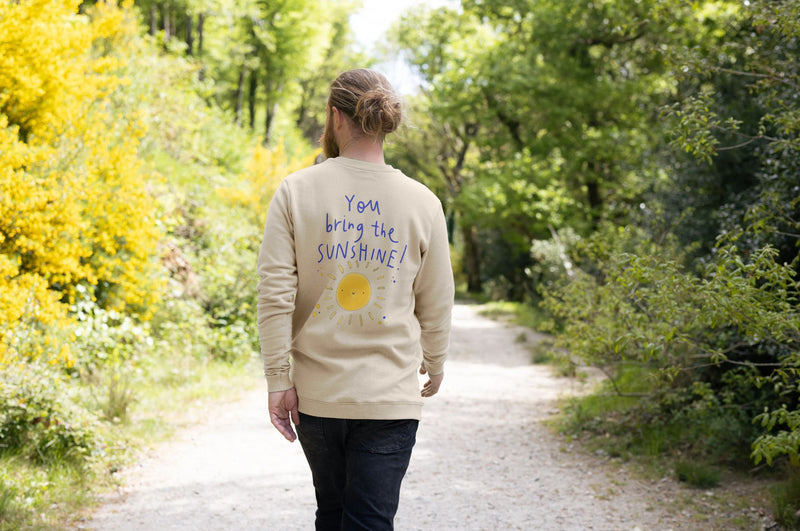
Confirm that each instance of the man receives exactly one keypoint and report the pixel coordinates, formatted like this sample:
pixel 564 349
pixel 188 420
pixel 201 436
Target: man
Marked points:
pixel 355 294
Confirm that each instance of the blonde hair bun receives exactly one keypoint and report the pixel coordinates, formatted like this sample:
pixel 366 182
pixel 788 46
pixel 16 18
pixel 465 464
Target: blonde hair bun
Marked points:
pixel 367 97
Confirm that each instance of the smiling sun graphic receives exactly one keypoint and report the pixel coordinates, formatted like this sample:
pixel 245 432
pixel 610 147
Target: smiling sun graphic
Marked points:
pixel 353 292
pixel 350 296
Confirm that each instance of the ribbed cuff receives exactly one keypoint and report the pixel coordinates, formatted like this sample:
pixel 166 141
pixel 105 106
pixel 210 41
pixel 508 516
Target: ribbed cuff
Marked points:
pixel 434 368
pixel 279 382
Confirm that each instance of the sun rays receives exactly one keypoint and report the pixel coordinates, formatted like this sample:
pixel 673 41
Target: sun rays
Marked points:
pixel 350 297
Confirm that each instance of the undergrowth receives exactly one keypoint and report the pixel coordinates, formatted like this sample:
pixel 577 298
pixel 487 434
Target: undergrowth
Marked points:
pixel 50 489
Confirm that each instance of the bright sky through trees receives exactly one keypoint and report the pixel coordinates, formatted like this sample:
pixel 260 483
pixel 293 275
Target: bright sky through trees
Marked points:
pixel 370 24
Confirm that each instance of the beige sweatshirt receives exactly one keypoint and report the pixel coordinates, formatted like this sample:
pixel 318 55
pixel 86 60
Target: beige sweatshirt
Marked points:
pixel 355 290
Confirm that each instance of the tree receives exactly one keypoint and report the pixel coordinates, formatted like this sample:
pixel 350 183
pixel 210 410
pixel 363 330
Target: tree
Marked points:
pixel 762 56
pixel 439 148
pixel 706 345
pixel 338 56
pixel 574 97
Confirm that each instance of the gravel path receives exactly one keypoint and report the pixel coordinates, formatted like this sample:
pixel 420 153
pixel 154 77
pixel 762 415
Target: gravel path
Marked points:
pixel 483 461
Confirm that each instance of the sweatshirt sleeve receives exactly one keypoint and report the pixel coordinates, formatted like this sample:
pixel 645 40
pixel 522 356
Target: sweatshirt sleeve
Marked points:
pixel 434 292
pixel 277 289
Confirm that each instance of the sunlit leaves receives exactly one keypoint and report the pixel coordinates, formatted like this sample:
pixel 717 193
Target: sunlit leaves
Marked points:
pixel 264 173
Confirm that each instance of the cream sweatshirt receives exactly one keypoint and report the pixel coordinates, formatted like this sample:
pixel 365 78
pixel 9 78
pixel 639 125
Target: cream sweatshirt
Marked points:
pixel 355 290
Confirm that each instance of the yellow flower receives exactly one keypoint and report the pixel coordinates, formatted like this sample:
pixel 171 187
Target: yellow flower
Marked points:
pixel 74 203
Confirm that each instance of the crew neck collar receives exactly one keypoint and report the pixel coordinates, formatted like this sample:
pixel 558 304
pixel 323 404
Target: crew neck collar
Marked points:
pixel 363 164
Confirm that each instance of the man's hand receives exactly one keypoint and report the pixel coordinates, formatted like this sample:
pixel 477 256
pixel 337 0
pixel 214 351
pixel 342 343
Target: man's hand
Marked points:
pixel 282 406
pixel 431 387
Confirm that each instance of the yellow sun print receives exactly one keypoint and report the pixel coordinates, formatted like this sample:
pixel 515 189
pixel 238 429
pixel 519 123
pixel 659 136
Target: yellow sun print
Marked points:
pixel 352 292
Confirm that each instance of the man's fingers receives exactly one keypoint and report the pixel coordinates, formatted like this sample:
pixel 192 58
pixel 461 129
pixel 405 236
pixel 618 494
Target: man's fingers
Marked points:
pixel 283 426
pixel 429 389
pixel 282 408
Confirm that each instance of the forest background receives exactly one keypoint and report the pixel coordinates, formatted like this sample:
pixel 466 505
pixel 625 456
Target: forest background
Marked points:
pixel 624 173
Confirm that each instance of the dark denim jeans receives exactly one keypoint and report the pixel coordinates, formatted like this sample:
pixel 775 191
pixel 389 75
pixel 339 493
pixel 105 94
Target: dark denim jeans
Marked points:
pixel 357 467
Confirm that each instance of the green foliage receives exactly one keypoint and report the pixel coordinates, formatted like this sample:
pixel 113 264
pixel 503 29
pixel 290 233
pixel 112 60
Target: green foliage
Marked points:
pixel 551 260
pixel 107 338
pixel 35 497
pixel 739 98
pixel 7 496
pixel 529 126
pixel 697 474
pixel 693 424
pixel 521 314
pixel 267 63
pixel 646 308
pixel 112 348
pixel 43 417
pixel 709 350
pixel 708 315
pixel 786 501
pixel 758 51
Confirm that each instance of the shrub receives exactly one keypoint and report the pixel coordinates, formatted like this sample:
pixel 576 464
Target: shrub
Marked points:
pixel 712 350
pixel 75 206
pixel 786 501
pixel 42 417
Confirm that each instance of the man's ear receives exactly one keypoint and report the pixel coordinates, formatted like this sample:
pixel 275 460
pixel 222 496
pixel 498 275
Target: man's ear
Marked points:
pixel 338 119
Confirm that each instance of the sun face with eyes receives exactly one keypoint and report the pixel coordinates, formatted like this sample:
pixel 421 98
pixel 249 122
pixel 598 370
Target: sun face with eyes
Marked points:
pixel 354 296
pixel 353 292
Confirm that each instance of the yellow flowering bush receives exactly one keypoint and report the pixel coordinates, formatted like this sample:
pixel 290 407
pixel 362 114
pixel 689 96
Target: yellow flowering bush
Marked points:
pixel 264 172
pixel 228 275
pixel 75 204
pixel 45 65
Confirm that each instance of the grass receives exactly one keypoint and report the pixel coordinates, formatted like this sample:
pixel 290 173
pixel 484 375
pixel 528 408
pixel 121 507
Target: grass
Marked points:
pixel 717 497
pixel 176 398
pixel 697 473
pixel 719 491
pixel 37 497
pixel 518 313
pixel 534 318
pixel 59 495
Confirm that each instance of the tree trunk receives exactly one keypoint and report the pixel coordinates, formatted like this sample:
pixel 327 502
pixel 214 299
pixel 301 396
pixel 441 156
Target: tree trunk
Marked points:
pixel 167 22
pixel 272 110
pixel 153 18
pixel 251 93
pixel 472 259
pixel 270 89
pixel 189 36
pixel 201 19
pixel 240 94
pixel 595 201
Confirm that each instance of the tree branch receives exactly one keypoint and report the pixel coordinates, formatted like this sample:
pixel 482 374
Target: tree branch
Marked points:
pixel 755 75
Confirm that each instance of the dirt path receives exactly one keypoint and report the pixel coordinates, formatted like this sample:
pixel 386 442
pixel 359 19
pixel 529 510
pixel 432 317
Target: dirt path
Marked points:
pixel 483 461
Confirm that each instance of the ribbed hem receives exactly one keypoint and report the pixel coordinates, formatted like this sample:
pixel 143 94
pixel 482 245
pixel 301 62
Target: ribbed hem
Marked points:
pixel 366 411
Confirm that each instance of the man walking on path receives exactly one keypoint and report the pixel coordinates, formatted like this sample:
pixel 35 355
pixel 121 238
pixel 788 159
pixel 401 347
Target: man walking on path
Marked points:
pixel 355 294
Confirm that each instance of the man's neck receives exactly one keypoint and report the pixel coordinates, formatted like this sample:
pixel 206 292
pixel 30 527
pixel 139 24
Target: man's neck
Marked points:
pixel 363 149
